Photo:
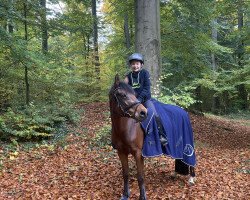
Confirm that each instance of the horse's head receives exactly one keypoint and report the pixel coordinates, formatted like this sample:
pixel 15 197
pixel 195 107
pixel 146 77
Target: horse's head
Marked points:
pixel 124 103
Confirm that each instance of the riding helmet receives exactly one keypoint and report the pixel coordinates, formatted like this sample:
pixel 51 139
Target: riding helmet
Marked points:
pixel 136 56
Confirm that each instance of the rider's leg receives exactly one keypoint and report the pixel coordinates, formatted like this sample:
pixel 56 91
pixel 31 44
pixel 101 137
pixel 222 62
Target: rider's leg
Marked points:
pixel 163 138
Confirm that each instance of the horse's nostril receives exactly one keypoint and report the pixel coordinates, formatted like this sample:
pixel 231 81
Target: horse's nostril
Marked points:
pixel 142 114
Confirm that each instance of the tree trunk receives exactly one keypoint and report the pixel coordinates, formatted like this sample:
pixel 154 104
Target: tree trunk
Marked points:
pixel 240 44
pixel 10 26
pixel 25 20
pixel 243 95
pixel 26 77
pixel 198 104
pixel 44 27
pixel 126 29
pixel 95 38
pixel 147 38
pixel 215 100
pixel 27 86
pixel 215 39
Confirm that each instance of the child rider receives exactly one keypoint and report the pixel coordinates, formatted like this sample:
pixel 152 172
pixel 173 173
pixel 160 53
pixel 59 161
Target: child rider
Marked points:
pixel 139 79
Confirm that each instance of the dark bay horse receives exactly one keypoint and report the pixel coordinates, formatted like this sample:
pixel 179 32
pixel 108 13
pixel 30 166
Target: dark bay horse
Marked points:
pixel 127 134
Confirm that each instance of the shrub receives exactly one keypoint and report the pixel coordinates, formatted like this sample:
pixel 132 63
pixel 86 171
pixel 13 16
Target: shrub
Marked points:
pixel 34 122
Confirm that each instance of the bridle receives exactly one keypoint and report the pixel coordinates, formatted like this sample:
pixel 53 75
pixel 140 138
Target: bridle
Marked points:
pixel 124 108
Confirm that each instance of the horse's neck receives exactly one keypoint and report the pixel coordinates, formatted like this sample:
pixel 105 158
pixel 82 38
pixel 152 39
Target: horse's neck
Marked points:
pixel 123 123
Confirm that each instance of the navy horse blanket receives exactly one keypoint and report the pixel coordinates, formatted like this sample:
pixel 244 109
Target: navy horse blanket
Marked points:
pixel 177 129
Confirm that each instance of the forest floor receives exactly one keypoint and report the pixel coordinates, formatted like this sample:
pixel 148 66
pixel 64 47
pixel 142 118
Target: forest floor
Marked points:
pixel 80 169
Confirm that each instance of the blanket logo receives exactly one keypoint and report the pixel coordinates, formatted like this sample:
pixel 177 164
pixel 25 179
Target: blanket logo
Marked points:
pixel 188 150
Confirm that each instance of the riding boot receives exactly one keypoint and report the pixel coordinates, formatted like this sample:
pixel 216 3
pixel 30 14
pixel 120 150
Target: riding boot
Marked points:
pixel 163 138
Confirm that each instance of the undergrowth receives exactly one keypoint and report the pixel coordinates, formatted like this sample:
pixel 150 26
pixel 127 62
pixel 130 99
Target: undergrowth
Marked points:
pixel 241 117
pixel 102 137
pixel 34 126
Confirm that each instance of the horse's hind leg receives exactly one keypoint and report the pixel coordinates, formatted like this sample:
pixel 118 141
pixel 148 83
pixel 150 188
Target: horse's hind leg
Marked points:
pixel 140 174
pixel 125 173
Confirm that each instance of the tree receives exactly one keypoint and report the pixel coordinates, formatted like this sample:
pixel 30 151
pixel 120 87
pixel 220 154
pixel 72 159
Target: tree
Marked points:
pixel 44 26
pixel 147 37
pixel 213 59
pixel 10 25
pixel 119 20
pixel 126 28
pixel 26 78
pixel 241 87
pixel 95 39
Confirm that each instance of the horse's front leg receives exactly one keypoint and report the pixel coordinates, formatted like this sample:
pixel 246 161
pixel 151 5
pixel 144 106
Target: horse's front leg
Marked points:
pixel 125 173
pixel 140 174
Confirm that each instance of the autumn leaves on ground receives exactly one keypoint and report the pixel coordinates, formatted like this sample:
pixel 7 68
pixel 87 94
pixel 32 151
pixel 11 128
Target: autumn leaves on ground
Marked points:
pixel 81 168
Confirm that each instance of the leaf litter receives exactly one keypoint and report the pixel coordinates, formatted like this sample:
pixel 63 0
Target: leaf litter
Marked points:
pixel 83 170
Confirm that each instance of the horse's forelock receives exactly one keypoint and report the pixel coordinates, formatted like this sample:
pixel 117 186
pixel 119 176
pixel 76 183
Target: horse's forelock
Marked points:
pixel 122 85
pixel 126 87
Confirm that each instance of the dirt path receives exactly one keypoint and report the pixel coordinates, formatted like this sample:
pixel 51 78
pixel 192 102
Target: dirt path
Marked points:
pixel 78 171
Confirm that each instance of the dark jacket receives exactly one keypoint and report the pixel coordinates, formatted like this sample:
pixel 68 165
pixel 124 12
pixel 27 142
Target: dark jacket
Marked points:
pixel 140 82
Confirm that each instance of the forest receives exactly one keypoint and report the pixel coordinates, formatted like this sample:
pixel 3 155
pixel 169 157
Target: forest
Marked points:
pixel 52 59
pixel 58 58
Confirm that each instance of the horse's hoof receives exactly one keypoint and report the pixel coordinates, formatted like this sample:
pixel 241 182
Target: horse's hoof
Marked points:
pixel 191 180
pixel 124 198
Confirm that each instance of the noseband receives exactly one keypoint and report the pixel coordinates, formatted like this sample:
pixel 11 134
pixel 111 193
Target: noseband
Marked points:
pixel 125 108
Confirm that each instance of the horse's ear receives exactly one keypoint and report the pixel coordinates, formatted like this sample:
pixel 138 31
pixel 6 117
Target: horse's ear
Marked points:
pixel 117 79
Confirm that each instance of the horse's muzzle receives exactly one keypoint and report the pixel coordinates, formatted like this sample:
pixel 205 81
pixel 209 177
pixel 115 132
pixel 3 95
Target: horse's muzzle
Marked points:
pixel 141 113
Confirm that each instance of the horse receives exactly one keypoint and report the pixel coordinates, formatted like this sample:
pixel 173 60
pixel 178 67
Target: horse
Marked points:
pixel 127 134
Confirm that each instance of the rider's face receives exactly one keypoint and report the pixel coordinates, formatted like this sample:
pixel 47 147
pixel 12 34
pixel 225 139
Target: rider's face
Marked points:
pixel 135 65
